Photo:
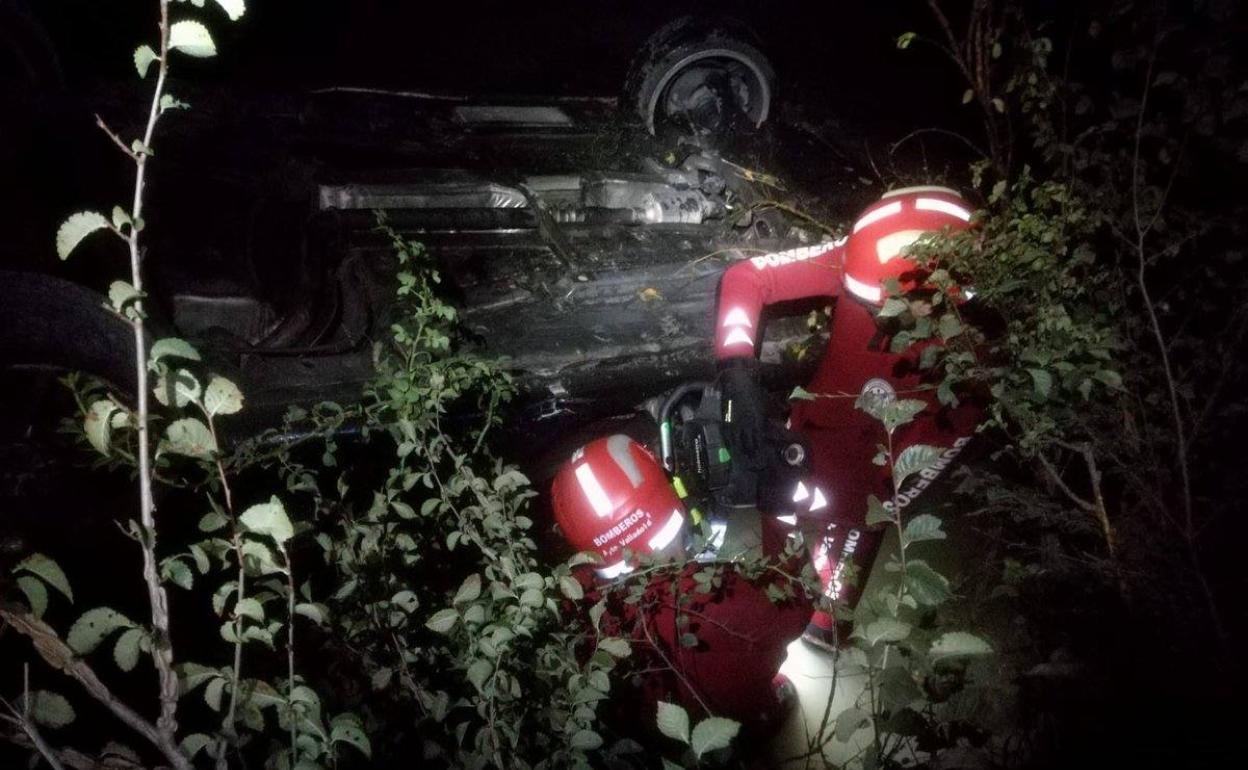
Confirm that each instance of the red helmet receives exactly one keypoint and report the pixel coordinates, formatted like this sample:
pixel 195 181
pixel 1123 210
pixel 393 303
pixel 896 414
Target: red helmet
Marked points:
pixel 614 495
pixel 901 217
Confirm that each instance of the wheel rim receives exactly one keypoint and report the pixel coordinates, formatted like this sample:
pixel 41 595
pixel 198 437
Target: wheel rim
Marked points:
pixel 688 83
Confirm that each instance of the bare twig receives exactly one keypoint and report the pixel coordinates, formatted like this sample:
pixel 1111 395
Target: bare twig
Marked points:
pixel 942 132
pixel 59 656
pixel 162 649
pixel 116 140
pixel 26 723
pixel 76 760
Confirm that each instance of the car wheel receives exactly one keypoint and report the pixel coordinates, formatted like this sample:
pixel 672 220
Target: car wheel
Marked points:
pixel 48 328
pixel 51 323
pixel 705 78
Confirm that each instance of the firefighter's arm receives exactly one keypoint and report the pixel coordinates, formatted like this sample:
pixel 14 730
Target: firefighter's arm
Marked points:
pixel 746 288
pixel 751 284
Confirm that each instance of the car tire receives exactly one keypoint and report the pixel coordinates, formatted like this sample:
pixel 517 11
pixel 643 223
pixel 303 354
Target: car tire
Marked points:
pixel 54 323
pixel 681 55
pixel 50 327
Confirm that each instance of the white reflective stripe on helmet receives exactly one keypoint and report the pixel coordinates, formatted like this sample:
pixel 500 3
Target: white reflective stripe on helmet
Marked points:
pixel 738 336
pixel 930 188
pixel 614 570
pixel 737 317
pixel 875 215
pixel 863 290
pixel 668 533
pixel 594 492
pixel 945 207
pixel 618 447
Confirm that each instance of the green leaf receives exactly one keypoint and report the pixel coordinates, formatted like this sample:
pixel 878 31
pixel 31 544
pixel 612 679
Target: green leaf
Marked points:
pixel 77 227
pixel 143 58
pixel 877 513
pixel 213 693
pixel 249 607
pixel 268 519
pixel 120 295
pixel 97 425
pixel 176 571
pixel 478 672
pixel 586 740
pixel 585 557
pixel 172 346
pixel 904 40
pixel 201 558
pixel 190 437
pixel 713 733
pixel 48 571
pixel 874 403
pixel 900 411
pixel 956 643
pixel 171 102
pixel 615 647
pixel 381 678
pixel 346 728
pixel 211 522
pixel 893 307
pixel 801 394
pixel 194 743
pixel 1109 377
pixel 1042 383
pixel 36 594
pixel 312 611
pixel 91 629
pixel 912 460
pixel 885 630
pixel 469 590
pixel 177 387
pixel 926 585
pixel 528 580
pixel 850 721
pixel 126 650
pixel 222 397
pixel 442 621
pixel 924 527
pixel 673 721
pixel 949 327
pixel 998 104
pixel 235 10
pixel 968 95
pixel 50 709
pixel 571 588
pixel 192 39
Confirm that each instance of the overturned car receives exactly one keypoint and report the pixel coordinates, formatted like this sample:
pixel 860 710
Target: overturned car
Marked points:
pixel 595 284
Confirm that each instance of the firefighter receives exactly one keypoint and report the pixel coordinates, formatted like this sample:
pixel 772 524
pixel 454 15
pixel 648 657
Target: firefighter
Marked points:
pixel 613 498
pixel 843 440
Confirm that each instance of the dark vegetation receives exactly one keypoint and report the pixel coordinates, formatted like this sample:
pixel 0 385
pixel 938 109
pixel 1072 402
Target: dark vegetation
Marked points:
pixel 393 593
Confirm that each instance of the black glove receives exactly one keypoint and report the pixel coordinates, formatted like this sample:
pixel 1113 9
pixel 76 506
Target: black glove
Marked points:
pixel 744 410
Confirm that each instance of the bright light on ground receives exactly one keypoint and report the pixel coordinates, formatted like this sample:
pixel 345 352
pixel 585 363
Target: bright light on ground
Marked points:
pixel 811 672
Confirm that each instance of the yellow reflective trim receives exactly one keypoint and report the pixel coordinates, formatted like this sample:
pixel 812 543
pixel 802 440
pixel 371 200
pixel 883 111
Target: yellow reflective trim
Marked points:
pixel 680 487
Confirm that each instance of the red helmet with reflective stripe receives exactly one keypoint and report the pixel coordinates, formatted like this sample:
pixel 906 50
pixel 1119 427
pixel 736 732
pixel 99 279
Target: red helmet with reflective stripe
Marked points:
pixel 901 217
pixel 613 495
